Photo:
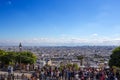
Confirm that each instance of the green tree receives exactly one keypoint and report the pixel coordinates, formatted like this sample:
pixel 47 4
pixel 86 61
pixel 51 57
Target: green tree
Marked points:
pixel 2 56
pixel 69 65
pixel 115 58
pixel 2 52
pixel 26 57
pixel 81 59
pixel 61 67
pixel 76 67
pixel 7 57
pixel 11 57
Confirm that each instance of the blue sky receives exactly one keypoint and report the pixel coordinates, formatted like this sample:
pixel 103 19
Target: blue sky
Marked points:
pixel 60 22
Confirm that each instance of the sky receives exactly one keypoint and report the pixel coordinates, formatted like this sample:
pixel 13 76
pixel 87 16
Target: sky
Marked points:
pixel 60 22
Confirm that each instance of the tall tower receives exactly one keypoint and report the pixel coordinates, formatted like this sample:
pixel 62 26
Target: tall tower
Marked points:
pixel 20 47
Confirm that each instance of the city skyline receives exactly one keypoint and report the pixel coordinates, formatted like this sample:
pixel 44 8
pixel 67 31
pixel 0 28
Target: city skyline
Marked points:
pixel 59 22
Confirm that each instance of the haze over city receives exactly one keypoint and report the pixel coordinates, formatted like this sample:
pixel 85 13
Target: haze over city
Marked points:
pixel 59 22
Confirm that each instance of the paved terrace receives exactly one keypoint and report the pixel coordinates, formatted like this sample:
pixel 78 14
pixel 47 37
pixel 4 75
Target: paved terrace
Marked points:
pixel 17 75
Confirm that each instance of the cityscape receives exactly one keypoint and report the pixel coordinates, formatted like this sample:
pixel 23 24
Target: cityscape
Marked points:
pixel 59 40
pixel 93 56
pixel 69 54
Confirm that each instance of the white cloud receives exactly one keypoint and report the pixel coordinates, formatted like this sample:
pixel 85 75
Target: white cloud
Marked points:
pixel 64 41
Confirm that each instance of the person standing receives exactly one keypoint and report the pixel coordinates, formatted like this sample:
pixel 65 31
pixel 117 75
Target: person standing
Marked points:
pixel 9 68
pixel 27 67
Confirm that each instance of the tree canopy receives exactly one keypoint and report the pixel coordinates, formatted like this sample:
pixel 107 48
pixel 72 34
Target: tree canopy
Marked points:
pixel 27 57
pixel 115 58
pixel 17 57
pixel 69 65
pixel 80 57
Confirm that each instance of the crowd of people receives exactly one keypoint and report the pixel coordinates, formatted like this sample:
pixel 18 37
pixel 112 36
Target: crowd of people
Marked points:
pixel 69 73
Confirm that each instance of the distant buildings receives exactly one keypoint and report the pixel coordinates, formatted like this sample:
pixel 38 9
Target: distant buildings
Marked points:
pixel 94 55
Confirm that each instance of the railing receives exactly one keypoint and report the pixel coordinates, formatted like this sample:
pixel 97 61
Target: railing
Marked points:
pixel 13 77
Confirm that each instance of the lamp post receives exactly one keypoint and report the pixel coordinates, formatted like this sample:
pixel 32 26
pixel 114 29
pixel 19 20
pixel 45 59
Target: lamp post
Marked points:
pixel 20 49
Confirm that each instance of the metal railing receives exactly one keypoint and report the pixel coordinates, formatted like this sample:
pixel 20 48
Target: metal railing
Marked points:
pixel 13 77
